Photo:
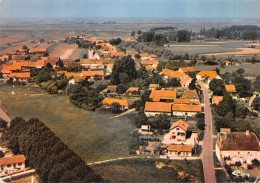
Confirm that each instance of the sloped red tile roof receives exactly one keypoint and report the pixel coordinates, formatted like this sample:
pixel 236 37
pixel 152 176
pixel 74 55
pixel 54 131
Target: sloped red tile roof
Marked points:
pixel 180 148
pixel 182 101
pixel 239 141
pixel 11 67
pixel 158 107
pixel 231 88
pixel 122 102
pixel 149 68
pixel 188 69
pixel 182 124
pixel 176 74
pixel 92 73
pixel 150 62
pixel 185 80
pixel 12 160
pixel 167 72
pixel 20 74
pixel 210 74
pixel 186 108
pixel 132 89
pixel 39 50
pixel 190 94
pixel 217 99
pixel 144 55
pixel 18 57
pixel 156 95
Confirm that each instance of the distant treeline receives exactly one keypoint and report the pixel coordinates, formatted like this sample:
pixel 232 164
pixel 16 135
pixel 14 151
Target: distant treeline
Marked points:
pixel 238 32
pixel 160 39
pixel 162 28
pixel 54 161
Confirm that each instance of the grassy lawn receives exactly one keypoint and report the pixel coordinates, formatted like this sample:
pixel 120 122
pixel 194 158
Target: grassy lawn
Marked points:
pixel 94 136
pixel 216 161
pixel 221 176
pixel 145 170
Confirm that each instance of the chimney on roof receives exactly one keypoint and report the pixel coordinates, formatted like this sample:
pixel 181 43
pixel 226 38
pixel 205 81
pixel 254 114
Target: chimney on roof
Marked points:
pixel 247 132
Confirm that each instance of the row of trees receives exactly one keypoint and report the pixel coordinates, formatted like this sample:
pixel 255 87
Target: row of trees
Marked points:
pixel 238 32
pixel 53 160
pixel 151 36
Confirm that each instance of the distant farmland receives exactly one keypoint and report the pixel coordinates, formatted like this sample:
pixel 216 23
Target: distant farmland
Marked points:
pixel 67 51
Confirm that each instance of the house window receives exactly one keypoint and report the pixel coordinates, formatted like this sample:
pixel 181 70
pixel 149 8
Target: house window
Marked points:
pixel 177 128
pixel 20 164
pixel 9 165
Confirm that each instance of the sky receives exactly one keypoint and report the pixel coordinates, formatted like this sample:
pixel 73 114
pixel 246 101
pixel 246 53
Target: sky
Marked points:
pixel 223 9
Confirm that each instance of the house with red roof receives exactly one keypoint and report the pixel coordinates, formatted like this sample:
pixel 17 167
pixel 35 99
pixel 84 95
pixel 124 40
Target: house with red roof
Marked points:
pixel 144 56
pixel 154 87
pixel 207 76
pixel 93 75
pixel 216 99
pixel 37 50
pixel 238 147
pixel 171 109
pixel 185 82
pixel 13 164
pixel 174 151
pixel 132 91
pixel 8 69
pixel 107 102
pixel 110 89
pixel 93 55
pixel 191 94
pixel 153 57
pixel 20 75
pixel 188 70
pixel 231 89
pixel 163 95
pixel 185 109
pixel 178 131
pixel 157 108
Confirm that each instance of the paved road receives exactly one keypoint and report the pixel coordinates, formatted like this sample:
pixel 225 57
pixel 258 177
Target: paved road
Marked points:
pixel 207 153
pixel 141 157
pixel 4 116
pixel 124 113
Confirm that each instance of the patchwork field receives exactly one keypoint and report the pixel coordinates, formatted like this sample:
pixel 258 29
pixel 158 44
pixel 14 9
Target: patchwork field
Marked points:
pixel 241 51
pixel 92 135
pixel 66 51
pixel 249 68
pixel 16 47
pixel 10 39
pixel 206 48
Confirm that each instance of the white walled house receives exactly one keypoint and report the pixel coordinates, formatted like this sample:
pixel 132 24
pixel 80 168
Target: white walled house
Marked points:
pixel 12 164
pixel 178 131
pixel 240 147
pixel 179 151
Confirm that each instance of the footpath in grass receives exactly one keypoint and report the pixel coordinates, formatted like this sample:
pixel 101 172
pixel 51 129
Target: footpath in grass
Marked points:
pixel 151 170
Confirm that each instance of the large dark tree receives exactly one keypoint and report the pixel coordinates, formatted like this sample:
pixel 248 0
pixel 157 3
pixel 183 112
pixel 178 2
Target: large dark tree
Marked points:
pixel 183 36
pixel 226 105
pixel 218 87
pixel 243 87
pixel 124 71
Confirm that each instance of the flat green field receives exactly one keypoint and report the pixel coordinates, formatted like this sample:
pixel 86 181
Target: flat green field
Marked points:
pixel 145 170
pixel 249 68
pixel 92 135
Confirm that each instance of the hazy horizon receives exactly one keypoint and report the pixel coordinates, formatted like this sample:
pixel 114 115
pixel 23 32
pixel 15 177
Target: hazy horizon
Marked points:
pixel 131 9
